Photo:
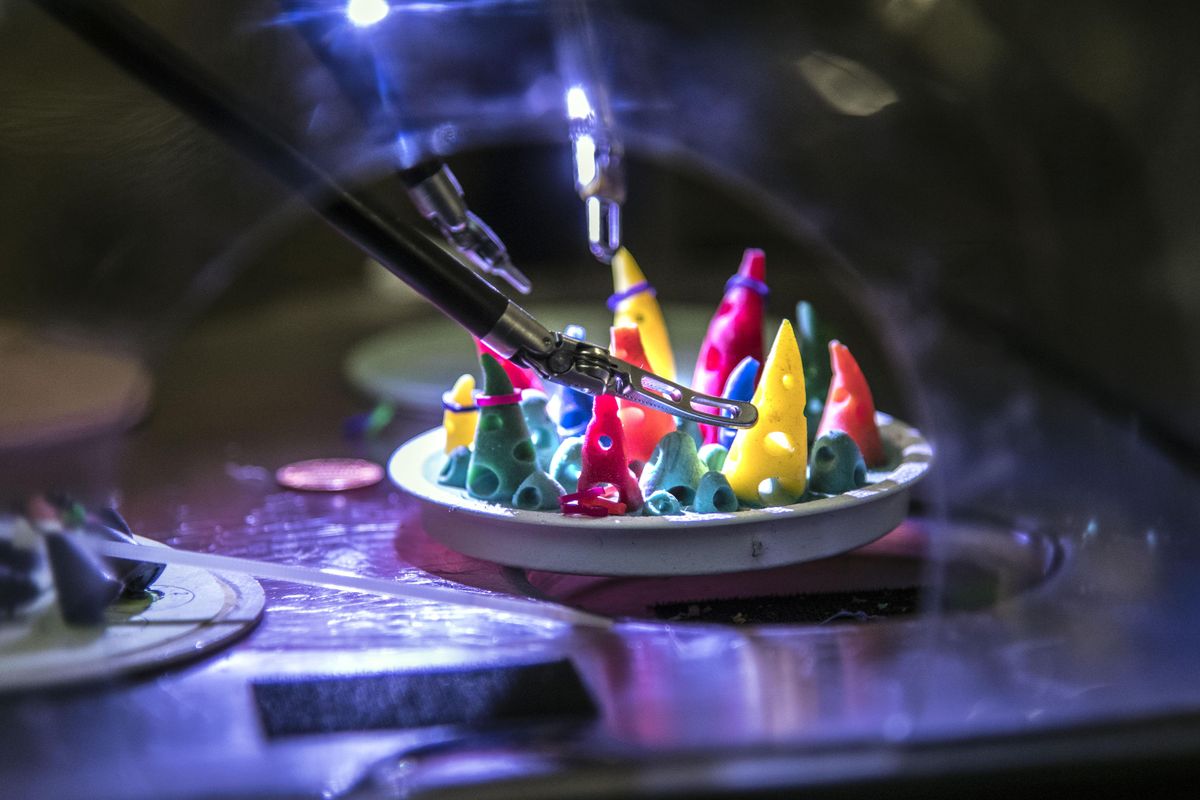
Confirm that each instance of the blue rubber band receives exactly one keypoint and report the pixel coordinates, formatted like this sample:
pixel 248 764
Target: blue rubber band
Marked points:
pixel 450 405
pixel 637 288
pixel 748 283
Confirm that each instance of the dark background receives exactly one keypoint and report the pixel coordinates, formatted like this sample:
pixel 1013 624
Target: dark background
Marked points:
pixel 1030 193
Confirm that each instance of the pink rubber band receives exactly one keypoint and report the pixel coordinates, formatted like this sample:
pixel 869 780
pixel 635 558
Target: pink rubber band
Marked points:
pixel 485 400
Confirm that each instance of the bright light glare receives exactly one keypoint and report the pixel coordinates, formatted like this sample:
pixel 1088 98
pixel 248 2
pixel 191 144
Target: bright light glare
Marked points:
pixel 585 160
pixel 364 13
pixel 578 106
pixel 594 219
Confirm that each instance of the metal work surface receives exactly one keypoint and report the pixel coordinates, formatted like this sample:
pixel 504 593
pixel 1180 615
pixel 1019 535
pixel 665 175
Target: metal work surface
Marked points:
pixel 1018 631
pixel 993 203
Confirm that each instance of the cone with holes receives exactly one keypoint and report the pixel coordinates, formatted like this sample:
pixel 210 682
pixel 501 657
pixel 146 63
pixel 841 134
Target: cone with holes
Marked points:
pixel 503 456
pixel 604 454
pixel 837 465
pixel 674 467
pixel 775 450
pixel 644 427
pixel 542 429
pixel 538 492
pixel 520 377
pixel 454 470
pixel 567 463
pixel 633 303
pixel 850 407
pixel 735 330
pixel 714 495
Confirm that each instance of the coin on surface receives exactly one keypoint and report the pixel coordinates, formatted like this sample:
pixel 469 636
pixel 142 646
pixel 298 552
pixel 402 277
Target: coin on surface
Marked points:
pixel 329 474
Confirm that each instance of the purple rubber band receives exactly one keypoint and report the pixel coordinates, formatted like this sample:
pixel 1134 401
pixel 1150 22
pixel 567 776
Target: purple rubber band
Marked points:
pixel 747 283
pixel 637 288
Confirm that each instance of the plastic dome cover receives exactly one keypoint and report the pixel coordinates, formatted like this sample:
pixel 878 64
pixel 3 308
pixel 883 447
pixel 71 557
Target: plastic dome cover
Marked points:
pixel 998 218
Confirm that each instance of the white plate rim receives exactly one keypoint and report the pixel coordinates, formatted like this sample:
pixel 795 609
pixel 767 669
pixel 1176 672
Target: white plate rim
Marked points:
pixel 408 465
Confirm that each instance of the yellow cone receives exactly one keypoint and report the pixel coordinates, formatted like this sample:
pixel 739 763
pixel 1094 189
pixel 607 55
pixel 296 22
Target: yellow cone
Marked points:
pixel 460 425
pixel 777 446
pixel 642 310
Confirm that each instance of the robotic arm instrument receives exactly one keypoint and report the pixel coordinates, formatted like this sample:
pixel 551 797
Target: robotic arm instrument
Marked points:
pixel 442 278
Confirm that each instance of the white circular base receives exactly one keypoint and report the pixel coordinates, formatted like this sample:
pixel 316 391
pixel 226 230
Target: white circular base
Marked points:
pixel 192 611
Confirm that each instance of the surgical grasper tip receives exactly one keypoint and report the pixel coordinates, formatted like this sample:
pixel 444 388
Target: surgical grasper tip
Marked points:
pixel 513 276
pixel 604 228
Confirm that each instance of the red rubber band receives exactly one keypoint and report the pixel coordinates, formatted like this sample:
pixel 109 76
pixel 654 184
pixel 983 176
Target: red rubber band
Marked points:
pixel 582 510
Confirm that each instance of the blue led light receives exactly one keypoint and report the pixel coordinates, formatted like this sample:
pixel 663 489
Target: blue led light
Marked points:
pixel 364 13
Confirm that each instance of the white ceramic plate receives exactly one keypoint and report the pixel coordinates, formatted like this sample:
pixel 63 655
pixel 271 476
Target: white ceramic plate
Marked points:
pixel 690 544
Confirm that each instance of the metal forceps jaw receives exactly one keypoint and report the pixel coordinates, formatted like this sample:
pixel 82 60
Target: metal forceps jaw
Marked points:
pixel 592 369
pixel 658 392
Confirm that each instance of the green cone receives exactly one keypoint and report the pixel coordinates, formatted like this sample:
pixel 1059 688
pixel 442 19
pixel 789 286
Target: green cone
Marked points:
pixel 503 455
pixel 815 356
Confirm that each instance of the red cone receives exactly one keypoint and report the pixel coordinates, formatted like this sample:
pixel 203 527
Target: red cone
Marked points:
pixel 644 427
pixel 604 458
pixel 849 406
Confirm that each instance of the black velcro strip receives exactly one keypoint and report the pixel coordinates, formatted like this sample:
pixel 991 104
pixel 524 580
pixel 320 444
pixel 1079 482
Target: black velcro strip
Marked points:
pixel 533 692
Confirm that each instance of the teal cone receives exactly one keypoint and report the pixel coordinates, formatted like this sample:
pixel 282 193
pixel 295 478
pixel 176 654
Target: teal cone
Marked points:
pixel 673 467
pixel 836 464
pixel 567 463
pixel 454 471
pixel 712 456
pixel 542 430
pixel 538 492
pixel 662 504
pixel 714 495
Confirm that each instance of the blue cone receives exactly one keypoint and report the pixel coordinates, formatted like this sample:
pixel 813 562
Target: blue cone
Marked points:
pixel 714 495
pixel 571 409
pixel 454 470
pixel 836 464
pixel 538 492
pixel 738 386
pixel 567 463
pixel 673 467
pixel 541 428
